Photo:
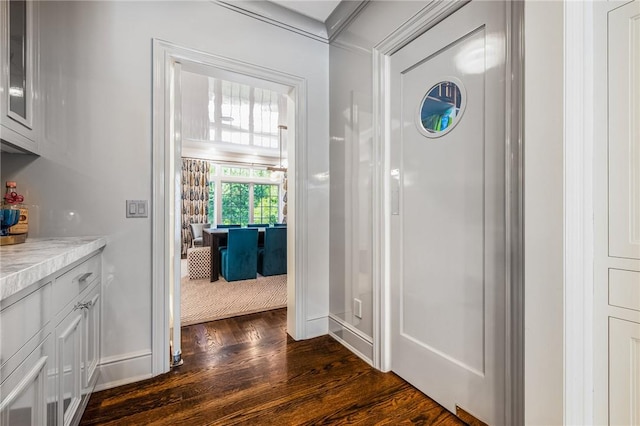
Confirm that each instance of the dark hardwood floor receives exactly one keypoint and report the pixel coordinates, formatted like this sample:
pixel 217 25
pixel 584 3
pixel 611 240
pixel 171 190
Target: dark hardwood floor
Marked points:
pixel 246 370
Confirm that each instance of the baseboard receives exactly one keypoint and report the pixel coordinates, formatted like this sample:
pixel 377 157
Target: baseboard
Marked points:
pixel 120 370
pixel 351 338
pixel 316 327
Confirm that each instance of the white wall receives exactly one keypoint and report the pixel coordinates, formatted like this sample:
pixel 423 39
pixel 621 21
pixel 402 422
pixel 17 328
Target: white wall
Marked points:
pixel 544 280
pixel 96 147
pixel 351 101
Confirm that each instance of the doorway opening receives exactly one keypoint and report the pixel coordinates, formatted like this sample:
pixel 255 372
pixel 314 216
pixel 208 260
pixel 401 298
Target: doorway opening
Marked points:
pixel 242 167
pixel 234 173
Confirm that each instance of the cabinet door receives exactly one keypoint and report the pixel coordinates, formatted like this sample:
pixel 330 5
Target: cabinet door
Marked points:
pixel 91 353
pixel 624 370
pixel 19 75
pixel 25 393
pixel 69 355
pixel 624 131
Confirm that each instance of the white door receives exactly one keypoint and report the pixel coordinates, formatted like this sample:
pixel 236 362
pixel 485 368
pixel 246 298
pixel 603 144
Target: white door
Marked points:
pixel 448 211
pixel 617 213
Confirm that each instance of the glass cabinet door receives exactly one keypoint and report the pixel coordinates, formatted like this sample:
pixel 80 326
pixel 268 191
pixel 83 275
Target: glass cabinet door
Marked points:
pixel 20 89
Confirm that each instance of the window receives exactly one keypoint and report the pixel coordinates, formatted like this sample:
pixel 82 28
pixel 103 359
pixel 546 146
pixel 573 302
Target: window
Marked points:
pixel 236 171
pixel 242 195
pixel 265 203
pixel 235 203
pixel 441 108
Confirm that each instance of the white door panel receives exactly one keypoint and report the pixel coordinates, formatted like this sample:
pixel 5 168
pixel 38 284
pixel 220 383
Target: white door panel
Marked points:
pixel 624 371
pixel 442 225
pixel 624 131
pixel 616 345
pixel 447 243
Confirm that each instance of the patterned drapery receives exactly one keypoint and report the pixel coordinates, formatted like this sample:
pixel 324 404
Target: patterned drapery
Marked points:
pixel 195 197
pixel 284 198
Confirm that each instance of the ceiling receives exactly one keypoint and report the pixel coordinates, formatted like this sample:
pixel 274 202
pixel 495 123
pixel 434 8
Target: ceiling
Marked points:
pixel 316 9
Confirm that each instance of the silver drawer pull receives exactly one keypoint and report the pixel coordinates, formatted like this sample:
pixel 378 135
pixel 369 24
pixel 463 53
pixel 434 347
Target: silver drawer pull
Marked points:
pixel 85 276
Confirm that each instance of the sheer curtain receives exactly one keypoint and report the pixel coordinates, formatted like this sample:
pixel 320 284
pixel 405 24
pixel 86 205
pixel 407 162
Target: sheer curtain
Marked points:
pixel 195 197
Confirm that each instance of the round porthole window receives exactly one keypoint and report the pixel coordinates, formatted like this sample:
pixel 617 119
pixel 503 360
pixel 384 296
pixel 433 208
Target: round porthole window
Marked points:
pixel 441 109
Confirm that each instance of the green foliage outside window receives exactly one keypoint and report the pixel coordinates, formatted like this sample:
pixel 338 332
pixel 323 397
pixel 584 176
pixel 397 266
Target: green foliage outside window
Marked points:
pixel 236 171
pixel 265 203
pixel 234 197
pixel 235 203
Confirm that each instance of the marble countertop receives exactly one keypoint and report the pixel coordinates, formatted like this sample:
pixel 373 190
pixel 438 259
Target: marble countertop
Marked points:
pixel 22 265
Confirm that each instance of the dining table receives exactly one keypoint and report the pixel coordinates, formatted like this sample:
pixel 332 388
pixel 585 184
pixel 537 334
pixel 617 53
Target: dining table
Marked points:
pixel 215 238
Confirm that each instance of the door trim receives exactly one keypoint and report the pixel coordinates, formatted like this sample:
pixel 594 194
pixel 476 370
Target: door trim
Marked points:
pixel 578 214
pixel 429 16
pixel 165 150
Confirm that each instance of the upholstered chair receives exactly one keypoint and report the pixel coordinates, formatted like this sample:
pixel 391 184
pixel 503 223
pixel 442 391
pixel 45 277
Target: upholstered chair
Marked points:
pixel 272 258
pixel 239 260
pixel 196 233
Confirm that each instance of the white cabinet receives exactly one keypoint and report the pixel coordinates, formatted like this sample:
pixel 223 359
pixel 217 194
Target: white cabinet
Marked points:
pixel 68 365
pixel 77 353
pixel 616 183
pixel 77 338
pixel 91 336
pixel 624 373
pixel 26 392
pixel 50 348
pixel 19 76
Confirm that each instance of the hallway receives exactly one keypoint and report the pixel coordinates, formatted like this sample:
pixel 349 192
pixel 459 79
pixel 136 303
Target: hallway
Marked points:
pixel 246 370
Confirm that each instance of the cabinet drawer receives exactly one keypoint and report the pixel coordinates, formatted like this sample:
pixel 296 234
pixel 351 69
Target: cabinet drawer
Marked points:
pixel 624 289
pixel 72 283
pixel 22 320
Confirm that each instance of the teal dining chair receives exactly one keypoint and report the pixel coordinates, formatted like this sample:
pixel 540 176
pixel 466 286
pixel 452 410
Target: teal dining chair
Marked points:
pixel 239 260
pixel 228 226
pixel 272 258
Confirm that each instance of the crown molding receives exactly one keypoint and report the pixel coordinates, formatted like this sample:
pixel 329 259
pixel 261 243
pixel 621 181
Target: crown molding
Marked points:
pixel 287 19
pixel 279 16
pixel 342 16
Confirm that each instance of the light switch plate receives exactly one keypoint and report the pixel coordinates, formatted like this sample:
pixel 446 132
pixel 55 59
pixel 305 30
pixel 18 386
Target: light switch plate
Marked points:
pixel 357 308
pixel 137 208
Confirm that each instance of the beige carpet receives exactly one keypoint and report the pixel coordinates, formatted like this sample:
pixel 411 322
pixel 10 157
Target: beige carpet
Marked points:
pixel 203 301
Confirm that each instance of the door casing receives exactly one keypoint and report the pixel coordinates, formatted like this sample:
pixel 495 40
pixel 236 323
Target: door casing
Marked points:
pixel 166 155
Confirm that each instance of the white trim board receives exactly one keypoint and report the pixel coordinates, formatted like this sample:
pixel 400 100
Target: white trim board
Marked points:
pixel 165 54
pixel 355 340
pixel 134 366
pixel 578 214
pixel 287 19
pixel 280 16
